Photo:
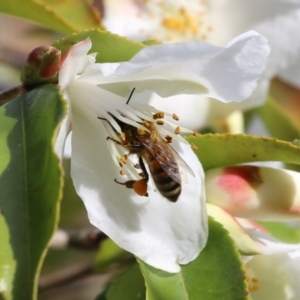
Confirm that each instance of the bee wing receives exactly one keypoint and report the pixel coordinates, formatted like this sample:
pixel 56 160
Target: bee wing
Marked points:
pixel 167 157
pixel 181 162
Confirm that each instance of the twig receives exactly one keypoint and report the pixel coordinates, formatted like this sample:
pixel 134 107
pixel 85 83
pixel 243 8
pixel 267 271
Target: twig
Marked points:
pixel 65 276
pixel 11 94
pixel 87 239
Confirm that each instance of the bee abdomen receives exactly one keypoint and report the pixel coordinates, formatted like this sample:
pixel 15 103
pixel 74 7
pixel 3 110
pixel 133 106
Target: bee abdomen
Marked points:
pixel 168 187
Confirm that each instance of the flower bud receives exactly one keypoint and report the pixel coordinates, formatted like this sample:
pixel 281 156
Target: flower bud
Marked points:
pixel 41 67
pixel 257 193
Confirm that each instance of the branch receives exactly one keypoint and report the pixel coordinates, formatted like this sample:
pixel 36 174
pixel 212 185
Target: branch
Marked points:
pixel 11 94
pixel 87 239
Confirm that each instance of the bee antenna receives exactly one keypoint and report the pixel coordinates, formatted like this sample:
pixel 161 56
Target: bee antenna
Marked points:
pixel 130 96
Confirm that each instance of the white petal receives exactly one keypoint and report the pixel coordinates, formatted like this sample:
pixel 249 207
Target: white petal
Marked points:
pixel 282 33
pixel 228 73
pixel 61 136
pixel 193 111
pixel 267 243
pixel 276 273
pixel 74 62
pixel 277 20
pixel 161 233
pixel 275 277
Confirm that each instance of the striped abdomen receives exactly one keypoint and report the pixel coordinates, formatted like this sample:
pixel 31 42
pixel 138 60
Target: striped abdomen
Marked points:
pixel 166 185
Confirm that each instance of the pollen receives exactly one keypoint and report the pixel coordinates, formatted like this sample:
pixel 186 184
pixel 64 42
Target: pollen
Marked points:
pixel 159 115
pixel 173 24
pixel 123 159
pixel 194 147
pixel 122 172
pixel 153 135
pixel 252 280
pixel 168 139
pixel 175 117
pixel 141 131
pixel 160 122
pixel 177 130
pixel 176 21
pixel 122 136
pixel 146 124
pixel 195 133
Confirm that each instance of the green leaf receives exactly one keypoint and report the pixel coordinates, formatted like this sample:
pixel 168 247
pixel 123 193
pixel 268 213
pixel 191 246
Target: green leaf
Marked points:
pixel 220 150
pixel 108 253
pixel 110 47
pixel 64 16
pixel 30 185
pixel 283 128
pixel 216 273
pixel 80 14
pixel 36 11
pixel 7 261
pixel 128 286
pixel 282 231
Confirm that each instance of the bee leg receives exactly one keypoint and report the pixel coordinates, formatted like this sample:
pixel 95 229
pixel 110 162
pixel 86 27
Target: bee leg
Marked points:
pixel 139 186
pixel 142 174
pixel 143 168
pixel 129 184
pixel 116 141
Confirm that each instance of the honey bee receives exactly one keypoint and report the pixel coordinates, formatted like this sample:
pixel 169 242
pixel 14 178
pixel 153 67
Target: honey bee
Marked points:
pixel 161 158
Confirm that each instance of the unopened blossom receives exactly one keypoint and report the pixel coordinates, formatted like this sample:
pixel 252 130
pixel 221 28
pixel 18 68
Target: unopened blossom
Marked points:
pixel 253 192
pixel 41 67
pixel 163 233
pixel 216 22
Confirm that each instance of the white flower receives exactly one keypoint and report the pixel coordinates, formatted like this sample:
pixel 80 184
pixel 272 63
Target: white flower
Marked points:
pixel 162 233
pixel 275 273
pixel 259 193
pixel 215 21
pixel 271 267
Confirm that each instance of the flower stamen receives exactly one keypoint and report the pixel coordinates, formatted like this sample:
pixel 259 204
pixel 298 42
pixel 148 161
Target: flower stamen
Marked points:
pixel 176 20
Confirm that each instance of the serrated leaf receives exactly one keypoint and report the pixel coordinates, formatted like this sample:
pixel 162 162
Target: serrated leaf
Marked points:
pixel 38 12
pixel 30 184
pixel 151 42
pixel 64 16
pixel 110 47
pixel 283 128
pixel 80 14
pixel 216 273
pixel 220 150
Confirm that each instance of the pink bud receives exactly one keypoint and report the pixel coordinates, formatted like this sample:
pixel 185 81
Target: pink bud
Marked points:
pixel 42 67
pixel 255 192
